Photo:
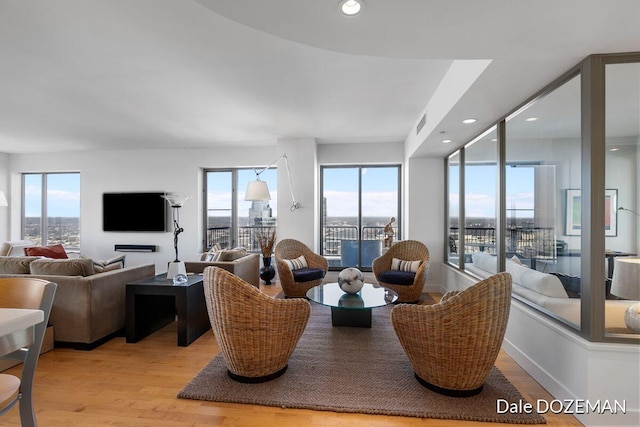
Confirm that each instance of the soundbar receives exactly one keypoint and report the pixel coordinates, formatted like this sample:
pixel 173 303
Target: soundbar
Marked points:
pixel 135 248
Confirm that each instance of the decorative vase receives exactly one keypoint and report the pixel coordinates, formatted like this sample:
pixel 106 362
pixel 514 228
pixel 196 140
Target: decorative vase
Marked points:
pixel 351 280
pixel 632 317
pixel 267 272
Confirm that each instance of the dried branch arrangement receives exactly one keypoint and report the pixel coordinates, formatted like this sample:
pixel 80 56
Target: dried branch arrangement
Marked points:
pixel 266 241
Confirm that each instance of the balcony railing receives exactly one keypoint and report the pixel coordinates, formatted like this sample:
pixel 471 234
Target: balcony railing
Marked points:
pixel 333 236
pixel 247 236
pixel 537 242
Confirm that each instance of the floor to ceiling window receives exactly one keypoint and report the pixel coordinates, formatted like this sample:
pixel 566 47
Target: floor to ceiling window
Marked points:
pixel 568 226
pixel 543 181
pixel 358 204
pixel 231 221
pixel 622 179
pixel 51 209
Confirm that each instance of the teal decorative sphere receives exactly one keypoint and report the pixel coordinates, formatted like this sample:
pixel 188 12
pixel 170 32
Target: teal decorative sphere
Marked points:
pixel 351 280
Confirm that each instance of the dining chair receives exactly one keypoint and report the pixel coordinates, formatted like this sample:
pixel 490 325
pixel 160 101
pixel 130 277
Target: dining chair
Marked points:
pixel 34 294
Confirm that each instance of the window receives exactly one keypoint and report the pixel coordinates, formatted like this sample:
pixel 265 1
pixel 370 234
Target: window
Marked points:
pixel 230 221
pixel 51 209
pixel 358 202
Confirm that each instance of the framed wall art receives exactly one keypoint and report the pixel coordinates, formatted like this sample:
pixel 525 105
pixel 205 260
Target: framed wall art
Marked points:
pixel 573 220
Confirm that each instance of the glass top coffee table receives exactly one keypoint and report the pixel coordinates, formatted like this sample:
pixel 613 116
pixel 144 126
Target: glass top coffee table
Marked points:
pixel 351 310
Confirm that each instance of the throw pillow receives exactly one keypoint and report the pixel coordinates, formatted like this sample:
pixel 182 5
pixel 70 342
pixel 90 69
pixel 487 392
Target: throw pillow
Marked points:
pixel 213 254
pixel 401 265
pixel 231 254
pixel 52 251
pixel 516 260
pixel 297 263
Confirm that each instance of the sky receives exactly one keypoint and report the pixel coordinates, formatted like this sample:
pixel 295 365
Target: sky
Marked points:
pixel 63 195
pixel 480 199
pixel 379 184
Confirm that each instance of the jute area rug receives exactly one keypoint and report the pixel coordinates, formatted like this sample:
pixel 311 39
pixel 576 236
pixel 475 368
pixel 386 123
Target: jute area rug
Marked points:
pixel 355 370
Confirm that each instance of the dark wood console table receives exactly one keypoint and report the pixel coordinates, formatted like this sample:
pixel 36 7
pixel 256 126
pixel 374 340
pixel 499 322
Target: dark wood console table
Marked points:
pixel 156 302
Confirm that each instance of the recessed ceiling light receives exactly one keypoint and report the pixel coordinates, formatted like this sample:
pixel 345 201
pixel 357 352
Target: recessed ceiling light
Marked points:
pixel 469 121
pixel 614 149
pixel 531 119
pixel 446 141
pixel 351 7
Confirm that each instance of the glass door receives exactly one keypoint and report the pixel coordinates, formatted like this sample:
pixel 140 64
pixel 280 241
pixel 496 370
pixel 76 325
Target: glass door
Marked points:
pixel 360 213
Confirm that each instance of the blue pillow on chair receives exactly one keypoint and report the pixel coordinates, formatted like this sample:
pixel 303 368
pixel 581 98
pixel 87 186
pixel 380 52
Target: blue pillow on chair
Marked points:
pixel 307 274
pixel 396 277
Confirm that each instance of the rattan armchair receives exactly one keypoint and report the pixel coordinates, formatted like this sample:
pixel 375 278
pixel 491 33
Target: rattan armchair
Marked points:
pixel 255 332
pixel 453 345
pixel 410 286
pixel 297 287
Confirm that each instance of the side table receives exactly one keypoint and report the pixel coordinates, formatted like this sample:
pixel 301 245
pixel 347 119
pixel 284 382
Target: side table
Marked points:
pixel 156 302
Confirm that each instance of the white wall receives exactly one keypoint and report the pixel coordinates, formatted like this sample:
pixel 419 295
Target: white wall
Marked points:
pixel 4 186
pixel 424 203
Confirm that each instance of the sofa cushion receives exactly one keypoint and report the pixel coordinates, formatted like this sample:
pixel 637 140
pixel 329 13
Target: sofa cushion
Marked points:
pixel 109 265
pixel 231 254
pixel 52 251
pixel 16 265
pixel 62 267
pixel 537 281
pixel 485 261
pixel 307 274
pixel 396 277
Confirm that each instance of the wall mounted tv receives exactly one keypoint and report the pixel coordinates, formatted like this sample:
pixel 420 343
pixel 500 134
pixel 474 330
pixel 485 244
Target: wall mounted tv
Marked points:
pixel 134 212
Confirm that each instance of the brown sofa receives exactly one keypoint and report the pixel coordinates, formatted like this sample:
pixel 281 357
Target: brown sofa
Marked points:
pixel 246 267
pixel 89 307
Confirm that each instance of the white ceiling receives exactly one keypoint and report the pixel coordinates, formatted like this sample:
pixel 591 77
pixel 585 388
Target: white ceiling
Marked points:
pixel 96 74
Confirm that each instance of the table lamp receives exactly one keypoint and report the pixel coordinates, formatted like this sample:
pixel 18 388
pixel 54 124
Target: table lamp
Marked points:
pixel 626 284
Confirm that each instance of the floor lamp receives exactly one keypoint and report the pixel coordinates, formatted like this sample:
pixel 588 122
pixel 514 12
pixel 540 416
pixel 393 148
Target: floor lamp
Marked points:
pixel 258 191
pixel 176 267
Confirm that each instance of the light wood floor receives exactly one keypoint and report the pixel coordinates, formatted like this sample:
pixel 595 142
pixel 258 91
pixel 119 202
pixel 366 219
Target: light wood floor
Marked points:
pixel 120 384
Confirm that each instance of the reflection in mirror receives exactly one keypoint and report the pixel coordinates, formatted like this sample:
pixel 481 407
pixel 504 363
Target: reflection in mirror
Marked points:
pixel 622 132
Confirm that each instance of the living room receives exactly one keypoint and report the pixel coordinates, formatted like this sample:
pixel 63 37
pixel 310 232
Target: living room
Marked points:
pixel 85 126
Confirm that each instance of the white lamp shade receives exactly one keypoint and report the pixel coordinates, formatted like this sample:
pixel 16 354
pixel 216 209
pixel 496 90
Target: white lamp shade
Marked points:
pixel 626 278
pixel 3 199
pixel 176 200
pixel 257 191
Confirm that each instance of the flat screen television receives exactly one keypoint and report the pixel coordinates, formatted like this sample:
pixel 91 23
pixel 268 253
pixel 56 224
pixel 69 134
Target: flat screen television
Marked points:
pixel 134 212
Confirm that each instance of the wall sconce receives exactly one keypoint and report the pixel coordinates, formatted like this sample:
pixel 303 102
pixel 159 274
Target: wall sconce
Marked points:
pixel 3 199
pixel 176 267
pixel 258 191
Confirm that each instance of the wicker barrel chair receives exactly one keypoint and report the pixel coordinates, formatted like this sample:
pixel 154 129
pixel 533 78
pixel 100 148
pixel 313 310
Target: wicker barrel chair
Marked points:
pixel 408 284
pixel 255 332
pixel 453 345
pixel 296 278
